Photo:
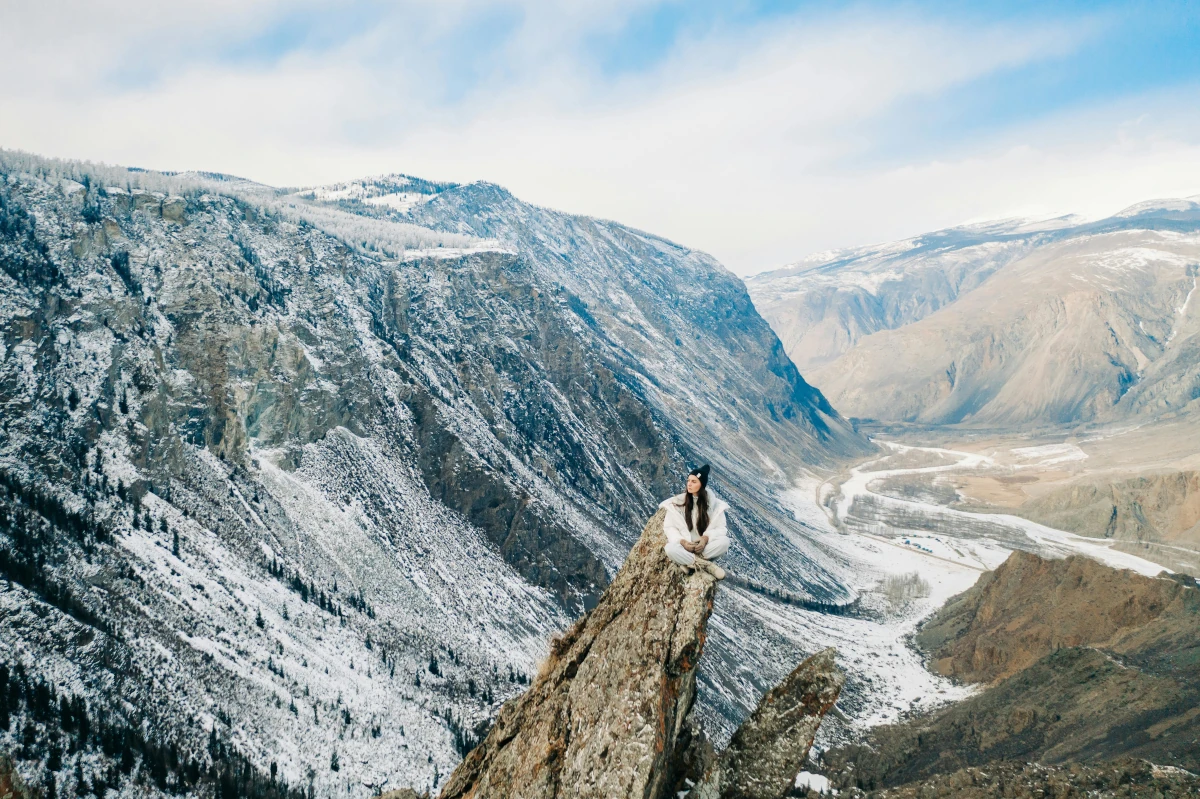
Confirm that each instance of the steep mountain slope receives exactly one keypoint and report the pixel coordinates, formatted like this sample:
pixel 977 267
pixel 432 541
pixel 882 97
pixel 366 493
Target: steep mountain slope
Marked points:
pixel 1005 324
pixel 292 482
pixel 1029 607
pixel 1086 663
pixel 1152 507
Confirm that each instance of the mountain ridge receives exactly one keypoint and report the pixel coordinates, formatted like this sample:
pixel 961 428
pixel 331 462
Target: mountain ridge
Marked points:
pixel 1084 324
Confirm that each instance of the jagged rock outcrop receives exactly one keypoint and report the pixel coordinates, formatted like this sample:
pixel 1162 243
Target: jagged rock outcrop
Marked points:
pixel 769 749
pixel 11 784
pixel 605 714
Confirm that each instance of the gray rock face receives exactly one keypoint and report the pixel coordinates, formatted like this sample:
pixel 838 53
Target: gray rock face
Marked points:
pixel 605 714
pixel 770 748
pixel 693 348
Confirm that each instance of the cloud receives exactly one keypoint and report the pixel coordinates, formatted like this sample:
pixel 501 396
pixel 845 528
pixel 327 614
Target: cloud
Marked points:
pixel 758 142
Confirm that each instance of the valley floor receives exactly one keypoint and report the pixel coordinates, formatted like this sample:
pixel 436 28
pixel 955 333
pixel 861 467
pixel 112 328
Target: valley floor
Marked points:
pixel 919 524
pixel 1132 489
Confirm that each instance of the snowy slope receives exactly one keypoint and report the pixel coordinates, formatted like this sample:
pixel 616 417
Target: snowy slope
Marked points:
pixel 299 478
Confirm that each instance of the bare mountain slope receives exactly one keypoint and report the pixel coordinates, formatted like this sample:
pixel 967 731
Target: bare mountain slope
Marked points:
pixel 1003 325
pixel 1084 663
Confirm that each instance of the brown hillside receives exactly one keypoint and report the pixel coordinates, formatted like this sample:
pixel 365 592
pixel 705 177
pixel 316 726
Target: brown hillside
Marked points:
pixel 1030 607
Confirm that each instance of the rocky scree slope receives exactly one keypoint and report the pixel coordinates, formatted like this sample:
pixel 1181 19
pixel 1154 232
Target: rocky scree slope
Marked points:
pixel 1084 663
pixel 1004 324
pixel 683 333
pixel 288 489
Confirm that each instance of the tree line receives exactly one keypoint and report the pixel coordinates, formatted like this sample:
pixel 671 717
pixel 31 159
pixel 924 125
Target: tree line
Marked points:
pixel 53 725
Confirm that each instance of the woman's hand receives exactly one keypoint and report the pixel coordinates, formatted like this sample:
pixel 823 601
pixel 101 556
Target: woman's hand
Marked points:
pixel 700 545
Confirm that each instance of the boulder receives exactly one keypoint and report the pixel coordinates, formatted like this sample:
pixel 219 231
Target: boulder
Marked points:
pixel 150 202
pixel 173 209
pixel 770 748
pixel 606 714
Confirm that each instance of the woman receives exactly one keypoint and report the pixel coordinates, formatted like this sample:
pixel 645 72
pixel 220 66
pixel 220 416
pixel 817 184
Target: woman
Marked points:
pixel 695 525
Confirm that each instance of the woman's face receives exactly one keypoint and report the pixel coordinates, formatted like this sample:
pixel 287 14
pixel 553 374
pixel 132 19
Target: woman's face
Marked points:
pixel 693 484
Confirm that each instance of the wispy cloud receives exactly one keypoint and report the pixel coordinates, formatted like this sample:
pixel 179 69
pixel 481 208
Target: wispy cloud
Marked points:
pixel 758 136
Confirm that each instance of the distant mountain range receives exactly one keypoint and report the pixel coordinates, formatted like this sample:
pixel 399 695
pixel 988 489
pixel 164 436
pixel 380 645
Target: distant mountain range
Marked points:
pixel 1009 325
pixel 295 484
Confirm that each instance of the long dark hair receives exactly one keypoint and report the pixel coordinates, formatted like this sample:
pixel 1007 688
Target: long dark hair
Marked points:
pixel 701 500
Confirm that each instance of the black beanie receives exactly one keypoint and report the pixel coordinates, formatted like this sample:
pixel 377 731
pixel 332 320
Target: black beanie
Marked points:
pixel 702 473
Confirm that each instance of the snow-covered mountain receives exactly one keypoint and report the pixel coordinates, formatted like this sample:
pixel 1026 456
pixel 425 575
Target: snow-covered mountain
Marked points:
pixel 297 484
pixel 1006 324
pixel 398 193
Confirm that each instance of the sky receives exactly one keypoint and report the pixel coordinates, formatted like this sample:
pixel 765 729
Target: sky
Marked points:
pixel 760 132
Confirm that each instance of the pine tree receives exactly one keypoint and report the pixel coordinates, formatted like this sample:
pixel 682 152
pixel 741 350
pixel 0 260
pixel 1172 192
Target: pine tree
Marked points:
pixel 5 721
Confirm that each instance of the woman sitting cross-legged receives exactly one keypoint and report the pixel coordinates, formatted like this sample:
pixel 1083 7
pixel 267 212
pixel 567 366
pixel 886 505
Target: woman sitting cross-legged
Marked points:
pixel 695 525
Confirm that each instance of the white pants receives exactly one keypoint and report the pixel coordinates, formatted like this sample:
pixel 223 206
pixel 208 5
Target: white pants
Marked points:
pixel 677 553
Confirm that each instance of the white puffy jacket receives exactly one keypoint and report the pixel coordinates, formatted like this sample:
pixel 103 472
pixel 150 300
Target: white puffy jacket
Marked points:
pixel 676 528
